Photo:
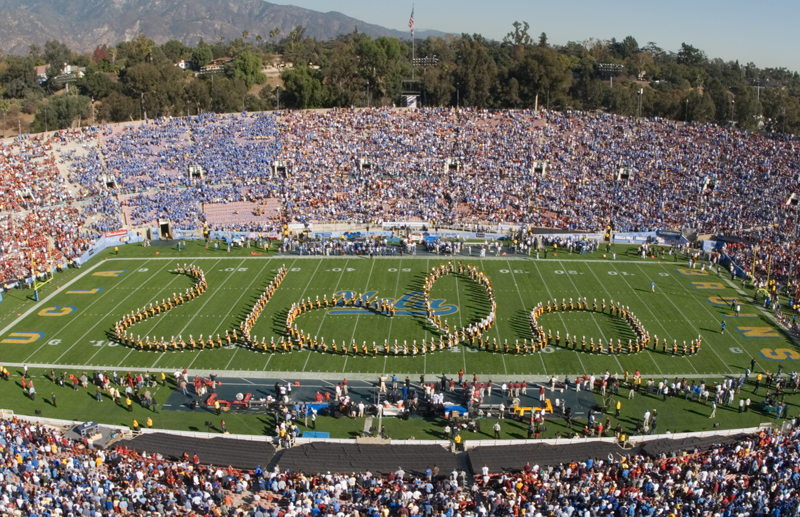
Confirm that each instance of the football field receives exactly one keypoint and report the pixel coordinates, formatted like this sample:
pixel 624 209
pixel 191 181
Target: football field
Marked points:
pixel 73 325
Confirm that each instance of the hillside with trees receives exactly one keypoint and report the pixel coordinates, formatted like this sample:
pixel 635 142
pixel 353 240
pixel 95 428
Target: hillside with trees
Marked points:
pixel 138 78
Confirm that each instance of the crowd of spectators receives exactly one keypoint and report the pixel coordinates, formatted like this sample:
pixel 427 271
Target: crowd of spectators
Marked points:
pixel 449 166
pixel 41 225
pixel 46 474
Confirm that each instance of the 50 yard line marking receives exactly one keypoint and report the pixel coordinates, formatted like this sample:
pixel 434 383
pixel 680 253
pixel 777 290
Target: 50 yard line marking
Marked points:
pixel 355 325
pixel 460 322
pixel 602 335
pixel 391 320
pixel 301 298
pixel 99 298
pixel 525 309
pixel 549 295
pixel 234 305
pixel 497 330
pixel 648 310
pixel 325 314
pixel 98 322
pixel 193 317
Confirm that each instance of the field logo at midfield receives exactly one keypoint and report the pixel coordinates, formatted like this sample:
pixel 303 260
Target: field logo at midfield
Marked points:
pixel 57 311
pixel 22 338
pixel 411 304
pixel 119 272
pixel 780 354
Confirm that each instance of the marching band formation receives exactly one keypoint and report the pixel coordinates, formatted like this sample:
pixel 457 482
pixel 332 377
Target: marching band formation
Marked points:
pixel 174 344
pixel 542 339
pixel 475 334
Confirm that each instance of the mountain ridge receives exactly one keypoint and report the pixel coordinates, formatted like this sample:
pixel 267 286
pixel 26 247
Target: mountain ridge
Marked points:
pixel 84 24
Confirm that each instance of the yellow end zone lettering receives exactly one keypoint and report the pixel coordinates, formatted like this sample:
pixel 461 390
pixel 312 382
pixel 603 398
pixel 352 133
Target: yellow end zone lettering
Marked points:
pixel 708 286
pixel 88 291
pixel 691 272
pixel 720 301
pixel 757 332
pixel 110 273
pixel 22 338
pixel 57 311
pixel 780 354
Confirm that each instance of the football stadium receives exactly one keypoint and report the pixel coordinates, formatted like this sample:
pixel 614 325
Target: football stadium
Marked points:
pixel 203 312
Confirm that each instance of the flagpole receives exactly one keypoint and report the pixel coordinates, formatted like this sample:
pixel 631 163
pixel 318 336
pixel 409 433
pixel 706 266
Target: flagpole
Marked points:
pixel 413 46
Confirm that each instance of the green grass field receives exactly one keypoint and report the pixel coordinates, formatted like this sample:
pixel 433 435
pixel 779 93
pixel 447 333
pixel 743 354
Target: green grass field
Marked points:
pixel 73 324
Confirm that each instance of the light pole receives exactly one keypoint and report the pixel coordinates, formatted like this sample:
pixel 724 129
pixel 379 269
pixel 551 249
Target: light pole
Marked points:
pixel 686 113
pixel 639 107
pixel 278 93
pixel 732 103
pixel 45 119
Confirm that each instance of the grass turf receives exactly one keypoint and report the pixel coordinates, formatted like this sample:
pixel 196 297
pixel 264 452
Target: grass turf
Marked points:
pixel 675 415
pixel 75 327
pixel 686 304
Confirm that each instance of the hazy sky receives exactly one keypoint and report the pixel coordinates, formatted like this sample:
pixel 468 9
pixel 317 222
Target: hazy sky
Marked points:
pixel 763 32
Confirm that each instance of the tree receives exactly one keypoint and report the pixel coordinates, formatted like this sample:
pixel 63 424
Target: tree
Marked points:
pixel 476 70
pixel 543 40
pixel 100 54
pixel 97 85
pixel 56 53
pixel 691 56
pixel 227 95
pixel 700 107
pixel 118 107
pixel 747 108
pixel 247 67
pixel 245 34
pixel 60 112
pixel 175 51
pixel 303 88
pixel 201 56
pixel 537 72
pixel 19 77
pixel 781 111
pixel 274 32
pixel 519 36
pixel 198 96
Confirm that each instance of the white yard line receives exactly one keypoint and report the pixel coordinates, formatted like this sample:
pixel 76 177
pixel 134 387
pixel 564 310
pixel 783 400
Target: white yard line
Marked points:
pixel 325 314
pixel 550 297
pixel 233 306
pixel 47 299
pixel 391 320
pixel 210 295
pixel 100 320
pixel 648 310
pixel 497 331
pixel 689 321
pixel 353 335
pixel 460 322
pixel 96 299
pixel 602 335
pixel 524 308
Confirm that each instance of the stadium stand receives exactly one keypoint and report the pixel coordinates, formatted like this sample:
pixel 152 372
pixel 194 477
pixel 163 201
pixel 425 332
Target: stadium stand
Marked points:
pixel 47 474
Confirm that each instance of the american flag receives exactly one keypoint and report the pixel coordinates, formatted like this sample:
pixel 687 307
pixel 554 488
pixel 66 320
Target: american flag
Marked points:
pixel 411 22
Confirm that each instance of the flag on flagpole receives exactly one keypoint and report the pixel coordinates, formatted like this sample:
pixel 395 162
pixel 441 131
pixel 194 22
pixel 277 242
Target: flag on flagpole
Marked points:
pixel 411 22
